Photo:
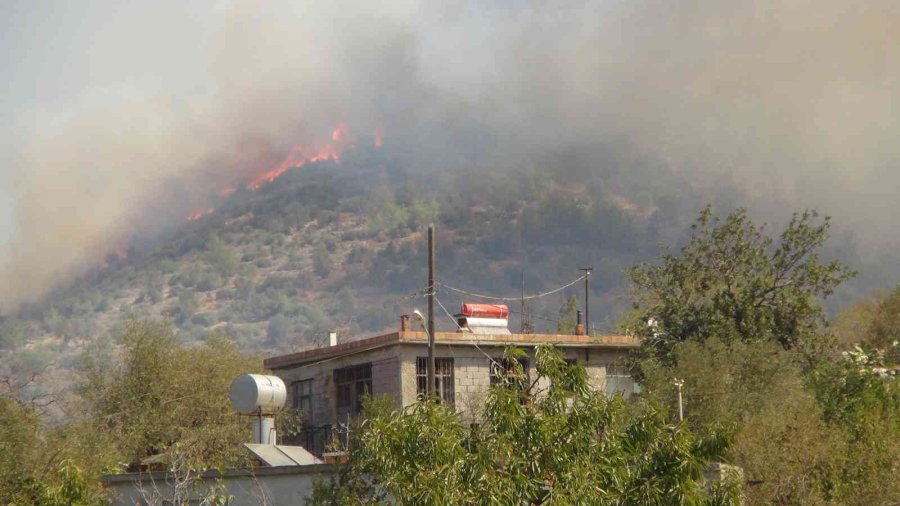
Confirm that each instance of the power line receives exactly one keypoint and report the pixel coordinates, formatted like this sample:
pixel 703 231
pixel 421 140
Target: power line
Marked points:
pixel 529 297
pixel 475 342
pixel 535 315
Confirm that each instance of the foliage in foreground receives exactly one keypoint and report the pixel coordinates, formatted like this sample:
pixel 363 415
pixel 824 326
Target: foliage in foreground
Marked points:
pixel 737 318
pixel 551 440
pixel 168 400
pixel 160 400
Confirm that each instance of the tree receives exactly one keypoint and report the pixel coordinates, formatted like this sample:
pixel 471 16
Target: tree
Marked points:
pixel 568 316
pixel 884 329
pixel 149 404
pixel 322 262
pixel 872 322
pixel 12 334
pixel 757 391
pixel 733 282
pixel 859 399
pixel 560 443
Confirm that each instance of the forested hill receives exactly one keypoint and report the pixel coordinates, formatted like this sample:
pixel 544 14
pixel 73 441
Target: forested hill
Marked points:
pixel 342 246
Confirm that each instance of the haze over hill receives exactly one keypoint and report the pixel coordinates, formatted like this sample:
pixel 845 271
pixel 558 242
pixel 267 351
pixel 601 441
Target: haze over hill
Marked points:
pixel 118 133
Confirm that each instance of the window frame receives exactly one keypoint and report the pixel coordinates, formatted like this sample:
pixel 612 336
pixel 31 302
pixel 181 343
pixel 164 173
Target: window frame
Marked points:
pixel 444 375
pixel 299 398
pixel 351 383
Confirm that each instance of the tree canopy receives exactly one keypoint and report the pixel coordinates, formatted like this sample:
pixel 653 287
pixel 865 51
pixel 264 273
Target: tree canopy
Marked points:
pixel 735 282
pixel 547 440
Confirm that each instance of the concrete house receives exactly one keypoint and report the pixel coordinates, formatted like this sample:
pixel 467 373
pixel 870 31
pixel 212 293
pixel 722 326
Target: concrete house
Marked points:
pixel 326 383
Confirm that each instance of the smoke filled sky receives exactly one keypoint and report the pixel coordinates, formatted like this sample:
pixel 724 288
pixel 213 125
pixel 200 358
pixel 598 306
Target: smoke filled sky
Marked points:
pixel 115 113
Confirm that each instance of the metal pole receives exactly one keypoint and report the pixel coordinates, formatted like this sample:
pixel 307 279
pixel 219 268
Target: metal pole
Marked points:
pixel 587 300
pixel 678 384
pixel 431 387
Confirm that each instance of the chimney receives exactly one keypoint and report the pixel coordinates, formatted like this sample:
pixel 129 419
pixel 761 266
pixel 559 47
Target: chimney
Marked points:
pixel 579 323
pixel 404 323
pixel 332 338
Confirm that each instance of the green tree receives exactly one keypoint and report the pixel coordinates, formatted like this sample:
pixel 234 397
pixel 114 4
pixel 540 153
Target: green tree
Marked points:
pixel 568 316
pixel 884 328
pixel 734 282
pixel 568 444
pixel 36 462
pixel 12 334
pixel 149 404
pixel 872 322
pixel 757 391
pixel 322 263
pixel 423 212
pixel 221 258
pixel 865 403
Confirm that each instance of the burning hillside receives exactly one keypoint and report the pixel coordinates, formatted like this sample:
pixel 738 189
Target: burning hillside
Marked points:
pixel 301 154
pixel 340 140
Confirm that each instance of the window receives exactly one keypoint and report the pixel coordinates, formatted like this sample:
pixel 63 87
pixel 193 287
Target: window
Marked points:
pixel 301 392
pixel 351 383
pixel 443 376
pixel 618 379
pixel 503 368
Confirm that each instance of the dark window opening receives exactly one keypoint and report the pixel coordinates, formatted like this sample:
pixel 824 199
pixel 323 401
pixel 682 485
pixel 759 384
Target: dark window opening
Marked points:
pixel 351 384
pixel 443 377
pixel 301 392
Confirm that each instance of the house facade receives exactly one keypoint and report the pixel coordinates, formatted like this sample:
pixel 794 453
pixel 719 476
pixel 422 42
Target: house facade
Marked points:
pixel 326 384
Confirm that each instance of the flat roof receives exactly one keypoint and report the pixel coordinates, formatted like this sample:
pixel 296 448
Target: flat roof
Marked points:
pixel 454 338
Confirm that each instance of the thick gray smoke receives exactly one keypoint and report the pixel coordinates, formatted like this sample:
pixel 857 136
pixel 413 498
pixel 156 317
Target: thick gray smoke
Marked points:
pixel 792 99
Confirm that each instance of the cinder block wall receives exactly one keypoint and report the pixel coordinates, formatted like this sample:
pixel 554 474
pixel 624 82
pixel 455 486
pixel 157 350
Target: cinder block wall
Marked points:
pixel 472 371
pixel 386 376
pixel 394 375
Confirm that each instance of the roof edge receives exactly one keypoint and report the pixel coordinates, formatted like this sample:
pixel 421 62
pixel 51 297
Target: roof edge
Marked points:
pixel 460 338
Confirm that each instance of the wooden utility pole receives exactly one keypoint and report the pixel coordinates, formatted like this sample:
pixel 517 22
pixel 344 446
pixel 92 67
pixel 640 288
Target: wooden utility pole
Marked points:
pixel 431 387
pixel 587 300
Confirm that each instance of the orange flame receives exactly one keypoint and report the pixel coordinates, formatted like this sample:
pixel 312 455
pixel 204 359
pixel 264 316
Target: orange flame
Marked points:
pixel 196 215
pixel 301 155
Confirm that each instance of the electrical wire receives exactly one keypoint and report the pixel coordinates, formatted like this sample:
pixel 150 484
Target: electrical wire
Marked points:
pixel 494 362
pixel 513 299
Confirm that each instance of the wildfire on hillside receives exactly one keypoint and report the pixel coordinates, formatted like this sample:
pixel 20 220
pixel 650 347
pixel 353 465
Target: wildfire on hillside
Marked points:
pixel 298 156
pixel 196 215
pixel 301 155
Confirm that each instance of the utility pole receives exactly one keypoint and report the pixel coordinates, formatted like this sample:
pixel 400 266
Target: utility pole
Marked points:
pixel 678 384
pixel 587 300
pixel 431 387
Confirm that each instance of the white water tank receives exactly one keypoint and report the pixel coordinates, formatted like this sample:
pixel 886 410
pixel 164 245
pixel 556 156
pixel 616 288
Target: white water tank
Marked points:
pixel 252 393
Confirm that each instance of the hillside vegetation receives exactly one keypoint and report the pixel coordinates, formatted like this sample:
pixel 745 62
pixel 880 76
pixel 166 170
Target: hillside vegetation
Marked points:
pixel 731 310
pixel 341 246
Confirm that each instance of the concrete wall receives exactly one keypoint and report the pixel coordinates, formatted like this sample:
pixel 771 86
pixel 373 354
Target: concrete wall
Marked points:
pixel 270 486
pixel 472 371
pixel 385 381
pixel 394 374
